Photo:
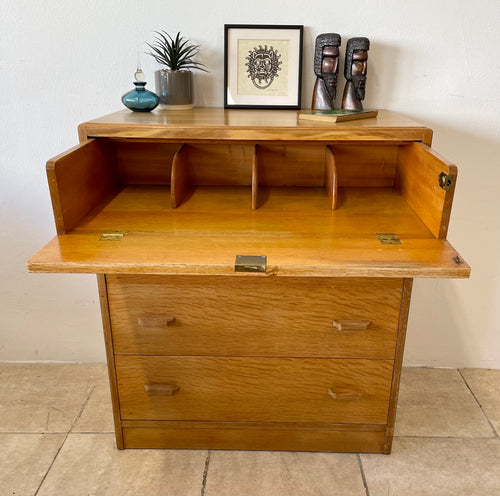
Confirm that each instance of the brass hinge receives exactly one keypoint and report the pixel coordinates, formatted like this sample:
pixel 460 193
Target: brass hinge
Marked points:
pixel 112 236
pixel 388 238
pixel 446 181
pixel 250 263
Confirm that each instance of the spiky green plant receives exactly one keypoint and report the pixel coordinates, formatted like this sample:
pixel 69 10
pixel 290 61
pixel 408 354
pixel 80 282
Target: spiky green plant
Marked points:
pixel 176 54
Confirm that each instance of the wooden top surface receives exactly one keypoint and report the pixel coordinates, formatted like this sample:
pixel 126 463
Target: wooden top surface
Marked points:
pixel 254 125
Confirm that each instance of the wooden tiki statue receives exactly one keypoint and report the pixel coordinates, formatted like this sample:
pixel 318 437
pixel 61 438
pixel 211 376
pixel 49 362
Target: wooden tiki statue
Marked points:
pixel 356 63
pixel 326 67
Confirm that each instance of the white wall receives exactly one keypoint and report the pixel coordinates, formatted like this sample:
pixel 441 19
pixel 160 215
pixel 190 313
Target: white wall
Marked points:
pixel 63 62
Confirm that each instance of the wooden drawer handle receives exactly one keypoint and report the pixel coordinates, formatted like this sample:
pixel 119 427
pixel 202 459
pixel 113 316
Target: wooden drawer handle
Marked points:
pixel 345 394
pixel 352 325
pixel 160 321
pixel 163 390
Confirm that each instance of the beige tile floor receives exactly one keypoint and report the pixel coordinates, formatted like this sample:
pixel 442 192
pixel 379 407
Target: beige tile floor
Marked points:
pixel 56 439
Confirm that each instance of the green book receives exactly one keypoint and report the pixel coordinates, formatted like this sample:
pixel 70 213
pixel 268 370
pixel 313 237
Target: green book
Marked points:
pixel 336 115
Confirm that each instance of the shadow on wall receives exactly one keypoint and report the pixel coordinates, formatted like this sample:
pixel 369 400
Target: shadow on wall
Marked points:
pixel 382 60
pixel 208 86
pixel 382 74
pixel 455 322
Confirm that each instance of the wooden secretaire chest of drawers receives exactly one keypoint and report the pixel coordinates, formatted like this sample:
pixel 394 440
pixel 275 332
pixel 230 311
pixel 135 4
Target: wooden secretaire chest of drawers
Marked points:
pixel 254 270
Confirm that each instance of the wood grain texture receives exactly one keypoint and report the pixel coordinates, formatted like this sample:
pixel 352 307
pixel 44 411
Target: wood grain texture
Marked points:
pixel 230 164
pixel 292 164
pixel 157 253
pixel 79 180
pixel 398 363
pixel 417 178
pixel 254 389
pixel 291 211
pixel 222 164
pixel 144 163
pixel 362 165
pixel 257 436
pixel 236 316
pixel 108 341
pixel 306 356
pixel 250 125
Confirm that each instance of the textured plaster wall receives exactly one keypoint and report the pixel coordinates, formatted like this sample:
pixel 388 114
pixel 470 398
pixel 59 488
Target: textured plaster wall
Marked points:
pixel 64 62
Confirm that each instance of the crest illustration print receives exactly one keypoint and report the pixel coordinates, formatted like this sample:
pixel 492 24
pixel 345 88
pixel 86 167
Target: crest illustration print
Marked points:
pixel 262 66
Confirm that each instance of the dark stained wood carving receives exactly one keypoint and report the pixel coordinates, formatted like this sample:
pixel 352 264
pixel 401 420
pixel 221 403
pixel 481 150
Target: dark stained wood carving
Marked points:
pixel 356 63
pixel 326 68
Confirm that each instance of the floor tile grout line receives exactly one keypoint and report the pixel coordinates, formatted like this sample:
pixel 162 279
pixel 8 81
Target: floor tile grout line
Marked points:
pixel 44 432
pixel 51 464
pixel 463 438
pixel 92 432
pixel 77 418
pixel 479 404
pixel 205 474
pixel 64 441
pixel 363 475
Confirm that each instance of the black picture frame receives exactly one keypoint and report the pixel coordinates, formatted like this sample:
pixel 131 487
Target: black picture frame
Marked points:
pixel 263 66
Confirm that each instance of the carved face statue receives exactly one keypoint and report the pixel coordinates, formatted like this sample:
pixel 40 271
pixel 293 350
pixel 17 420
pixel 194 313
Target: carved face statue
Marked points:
pixel 358 72
pixel 330 60
pixel 330 68
pixel 326 54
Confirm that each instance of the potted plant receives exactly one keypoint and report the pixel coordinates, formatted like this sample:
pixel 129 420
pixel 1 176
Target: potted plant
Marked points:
pixel 174 85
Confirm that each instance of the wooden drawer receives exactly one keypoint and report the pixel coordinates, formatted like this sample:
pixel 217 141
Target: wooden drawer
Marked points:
pixel 254 389
pixel 252 315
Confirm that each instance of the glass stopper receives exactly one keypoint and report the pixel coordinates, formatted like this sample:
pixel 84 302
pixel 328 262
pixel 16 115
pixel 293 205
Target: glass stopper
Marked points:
pixel 139 75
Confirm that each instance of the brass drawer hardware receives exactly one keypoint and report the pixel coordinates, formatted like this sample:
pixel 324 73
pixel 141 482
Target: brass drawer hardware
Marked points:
pixel 250 263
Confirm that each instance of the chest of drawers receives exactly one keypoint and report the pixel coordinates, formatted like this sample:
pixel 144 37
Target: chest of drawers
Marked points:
pixel 300 350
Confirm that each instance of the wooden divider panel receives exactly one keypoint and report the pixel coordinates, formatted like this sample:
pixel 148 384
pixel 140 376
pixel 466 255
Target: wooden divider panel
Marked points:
pixel 180 177
pixel 255 177
pixel 331 177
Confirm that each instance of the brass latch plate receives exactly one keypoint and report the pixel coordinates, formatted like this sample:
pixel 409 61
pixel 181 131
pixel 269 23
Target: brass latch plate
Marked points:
pixel 250 263
pixel 388 238
pixel 446 181
pixel 112 236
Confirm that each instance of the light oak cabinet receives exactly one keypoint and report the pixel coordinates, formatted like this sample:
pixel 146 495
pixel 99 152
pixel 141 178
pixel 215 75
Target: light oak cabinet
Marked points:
pixel 300 350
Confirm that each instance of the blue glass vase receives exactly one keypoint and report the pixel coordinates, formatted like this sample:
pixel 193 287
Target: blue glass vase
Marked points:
pixel 140 99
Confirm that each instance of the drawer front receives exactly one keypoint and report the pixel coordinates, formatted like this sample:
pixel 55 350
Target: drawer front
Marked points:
pixel 254 389
pixel 259 316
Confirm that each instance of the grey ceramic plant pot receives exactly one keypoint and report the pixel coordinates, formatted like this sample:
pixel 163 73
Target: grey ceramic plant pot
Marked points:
pixel 175 89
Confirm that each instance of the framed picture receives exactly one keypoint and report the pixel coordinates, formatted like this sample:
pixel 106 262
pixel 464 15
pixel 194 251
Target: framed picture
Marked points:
pixel 262 66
